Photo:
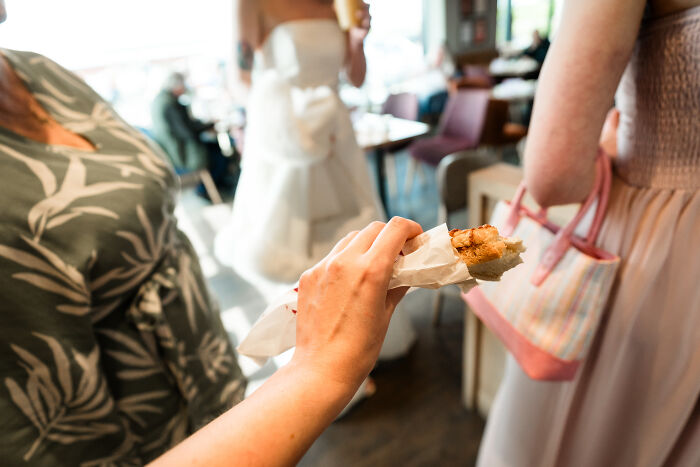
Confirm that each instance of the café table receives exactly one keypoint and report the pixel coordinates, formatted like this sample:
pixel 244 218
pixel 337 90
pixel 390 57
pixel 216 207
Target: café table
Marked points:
pixel 379 134
pixel 504 68
pixel 515 90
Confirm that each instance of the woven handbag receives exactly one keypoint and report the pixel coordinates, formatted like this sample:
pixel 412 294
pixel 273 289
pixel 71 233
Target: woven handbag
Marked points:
pixel 546 311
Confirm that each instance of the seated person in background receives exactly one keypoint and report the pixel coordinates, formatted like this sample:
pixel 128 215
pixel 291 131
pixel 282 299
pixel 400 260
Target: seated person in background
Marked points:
pixel 183 137
pixel 431 86
pixel 538 49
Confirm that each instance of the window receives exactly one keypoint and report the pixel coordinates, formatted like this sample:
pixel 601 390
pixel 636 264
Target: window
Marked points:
pixel 124 49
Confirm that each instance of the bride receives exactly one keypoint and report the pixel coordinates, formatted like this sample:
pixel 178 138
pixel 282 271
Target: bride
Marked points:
pixel 304 182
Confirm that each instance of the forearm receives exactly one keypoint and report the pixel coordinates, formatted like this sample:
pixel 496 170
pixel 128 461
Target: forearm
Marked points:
pixel 575 91
pixel 274 426
pixel 356 68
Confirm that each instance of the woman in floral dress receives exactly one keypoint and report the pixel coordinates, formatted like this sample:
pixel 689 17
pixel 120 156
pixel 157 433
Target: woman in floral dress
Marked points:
pixel 112 350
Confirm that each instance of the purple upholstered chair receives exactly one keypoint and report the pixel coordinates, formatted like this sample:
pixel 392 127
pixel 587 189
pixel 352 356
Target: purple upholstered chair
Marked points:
pixel 403 105
pixel 460 128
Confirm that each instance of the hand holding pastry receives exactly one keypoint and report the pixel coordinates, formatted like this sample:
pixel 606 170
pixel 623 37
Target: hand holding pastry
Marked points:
pixel 344 306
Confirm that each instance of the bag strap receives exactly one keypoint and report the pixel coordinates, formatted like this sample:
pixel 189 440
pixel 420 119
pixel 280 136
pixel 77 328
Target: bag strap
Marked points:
pixel 514 215
pixel 562 240
pixel 603 198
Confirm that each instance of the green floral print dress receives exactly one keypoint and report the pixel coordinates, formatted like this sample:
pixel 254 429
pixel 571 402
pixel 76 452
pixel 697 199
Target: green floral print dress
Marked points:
pixel 111 348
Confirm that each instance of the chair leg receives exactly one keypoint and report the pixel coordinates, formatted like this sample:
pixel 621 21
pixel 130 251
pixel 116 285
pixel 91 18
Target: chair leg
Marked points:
pixel 210 187
pixel 390 167
pixel 520 149
pixel 499 151
pixel 410 175
pixel 421 174
pixel 442 214
pixel 437 308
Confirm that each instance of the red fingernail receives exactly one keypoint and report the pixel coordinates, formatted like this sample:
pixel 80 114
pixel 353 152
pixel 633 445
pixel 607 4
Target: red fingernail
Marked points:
pixel 294 311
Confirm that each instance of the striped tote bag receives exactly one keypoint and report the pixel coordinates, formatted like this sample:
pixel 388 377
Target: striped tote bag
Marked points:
pixel 546 311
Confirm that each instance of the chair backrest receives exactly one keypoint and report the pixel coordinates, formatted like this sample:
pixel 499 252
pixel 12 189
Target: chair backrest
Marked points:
pixel 496 118
pixel 453 174
pixel 465 115
pixel 403 105
pixel 478 72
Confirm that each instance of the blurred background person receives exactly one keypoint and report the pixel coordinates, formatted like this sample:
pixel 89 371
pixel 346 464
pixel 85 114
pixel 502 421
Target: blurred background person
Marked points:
pixel 304 180
pixel 112 349
pixel 635 399
pixel 190 143
pixel 538 49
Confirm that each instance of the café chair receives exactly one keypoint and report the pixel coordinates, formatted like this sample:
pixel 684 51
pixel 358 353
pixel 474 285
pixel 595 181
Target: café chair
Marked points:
pixel 473 76
pixel 460 129
pixel 453 171
pixel 403 105
pixel 452 180
pixel 498 132
pixel 189 178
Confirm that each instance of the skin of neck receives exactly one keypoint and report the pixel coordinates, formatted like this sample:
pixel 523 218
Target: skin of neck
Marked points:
pixel 16 102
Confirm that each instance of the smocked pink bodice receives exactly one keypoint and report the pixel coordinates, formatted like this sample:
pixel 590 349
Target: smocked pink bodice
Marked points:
pixel 659 101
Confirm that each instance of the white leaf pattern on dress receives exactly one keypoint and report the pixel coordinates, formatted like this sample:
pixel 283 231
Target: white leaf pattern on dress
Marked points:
pixel 137 360
pixel 38 168
pixel 147 253
pixel 136 405
pixel 60 413
pixel 214 354
pixel 63 279
pixel 73 188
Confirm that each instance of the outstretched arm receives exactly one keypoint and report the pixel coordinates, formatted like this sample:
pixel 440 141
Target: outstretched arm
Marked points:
pixel 575 91
pixel 344 313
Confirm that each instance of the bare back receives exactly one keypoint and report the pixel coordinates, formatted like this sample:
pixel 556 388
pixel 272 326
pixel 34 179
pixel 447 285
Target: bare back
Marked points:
pixel 275 12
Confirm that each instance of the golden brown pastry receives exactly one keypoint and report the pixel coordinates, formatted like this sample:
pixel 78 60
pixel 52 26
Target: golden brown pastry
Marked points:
pixel 485 252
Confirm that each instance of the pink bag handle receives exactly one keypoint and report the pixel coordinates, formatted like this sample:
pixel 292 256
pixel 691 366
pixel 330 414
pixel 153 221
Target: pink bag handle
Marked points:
pixel 562 240
pixel 603 198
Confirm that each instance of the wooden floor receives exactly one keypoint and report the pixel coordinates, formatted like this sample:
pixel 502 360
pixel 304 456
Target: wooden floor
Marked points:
pixel 416 417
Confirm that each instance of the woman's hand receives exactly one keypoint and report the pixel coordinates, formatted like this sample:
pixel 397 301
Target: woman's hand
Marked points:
pixel 355 61
pixel 364 23
pixel 344 305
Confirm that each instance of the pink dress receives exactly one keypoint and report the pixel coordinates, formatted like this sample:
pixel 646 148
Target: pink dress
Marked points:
pixel 635 401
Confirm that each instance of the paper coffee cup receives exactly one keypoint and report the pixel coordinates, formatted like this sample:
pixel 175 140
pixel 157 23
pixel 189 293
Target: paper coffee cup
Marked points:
pixel 347 13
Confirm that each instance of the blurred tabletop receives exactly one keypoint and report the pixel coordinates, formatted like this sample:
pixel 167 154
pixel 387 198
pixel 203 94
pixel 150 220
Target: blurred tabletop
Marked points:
pixel 515 90
pixel 374 131
pixel 513 67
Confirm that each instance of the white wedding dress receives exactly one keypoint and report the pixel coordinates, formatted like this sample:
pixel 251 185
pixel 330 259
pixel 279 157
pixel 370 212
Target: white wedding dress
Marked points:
pixel 304 181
